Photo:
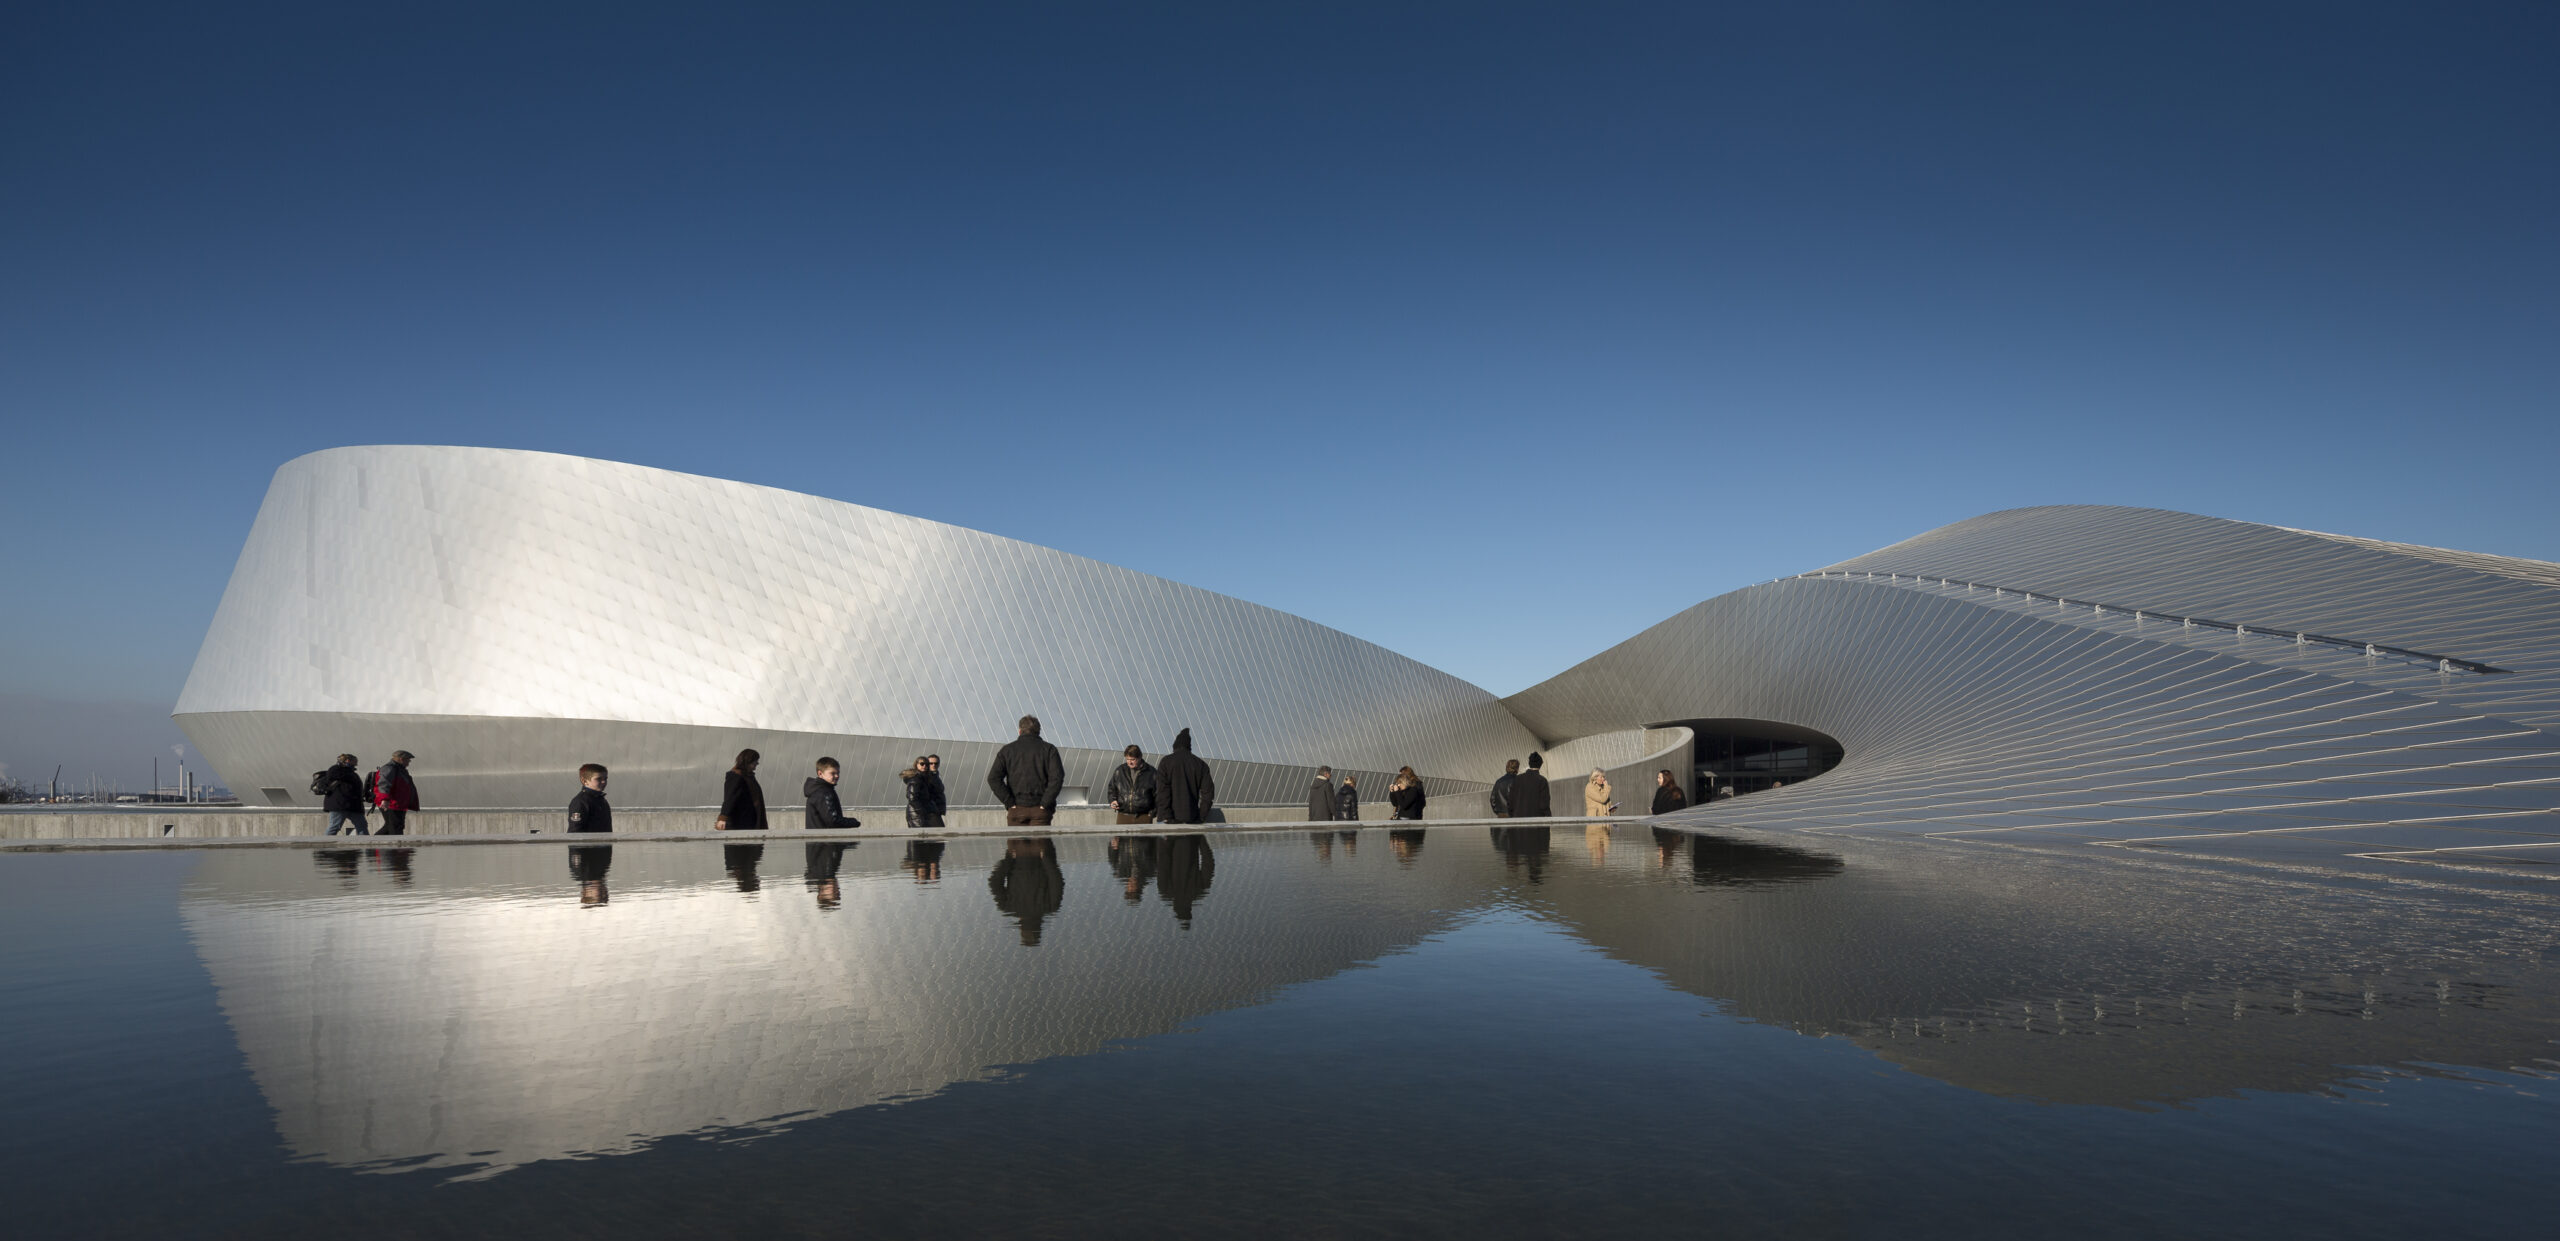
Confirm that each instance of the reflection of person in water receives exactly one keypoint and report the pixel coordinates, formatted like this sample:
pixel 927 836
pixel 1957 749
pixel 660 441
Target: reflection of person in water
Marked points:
pixel 1666 846
pixel 1184 866
pixel 1133 859
pixel 344 863
pixel 1595 840
pixel 1522 847
pixel 740 861
pixel 923 860
pixel 587 865
pixel 1406 844
pixel 396 863
pixel 1027 883
pixel 825 856
pixel 1323 841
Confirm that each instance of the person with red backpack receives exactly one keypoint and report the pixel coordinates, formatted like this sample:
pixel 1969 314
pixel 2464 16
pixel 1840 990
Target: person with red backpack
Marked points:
pixel 393 793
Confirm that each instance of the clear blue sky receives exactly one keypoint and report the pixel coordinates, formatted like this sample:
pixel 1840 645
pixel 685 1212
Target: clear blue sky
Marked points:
pixel 1489 332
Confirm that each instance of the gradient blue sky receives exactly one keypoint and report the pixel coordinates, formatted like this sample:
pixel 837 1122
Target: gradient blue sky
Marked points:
pixel 1489 332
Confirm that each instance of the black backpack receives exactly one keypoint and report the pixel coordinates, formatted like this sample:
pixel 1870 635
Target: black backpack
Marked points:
pixel 320 783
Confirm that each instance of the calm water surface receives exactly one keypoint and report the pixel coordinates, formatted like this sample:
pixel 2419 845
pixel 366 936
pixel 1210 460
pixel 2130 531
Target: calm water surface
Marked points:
pixel 1441 1032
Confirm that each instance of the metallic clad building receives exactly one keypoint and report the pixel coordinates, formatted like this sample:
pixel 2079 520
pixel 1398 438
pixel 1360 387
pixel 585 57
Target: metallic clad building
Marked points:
pixel 508 615
pixel 2073 673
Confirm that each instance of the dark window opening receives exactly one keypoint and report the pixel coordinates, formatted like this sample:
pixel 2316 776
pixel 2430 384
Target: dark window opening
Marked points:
pixel 1736 758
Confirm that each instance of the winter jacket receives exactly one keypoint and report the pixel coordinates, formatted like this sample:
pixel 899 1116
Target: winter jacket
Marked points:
pixel 1346 803
pixel 1529 796
pixel 590 812
pixel 1320 801
pixel 742 802
pixel 1501 796
pixel 1133 790
pixel 346 790
pixel 925 802
pixel 1027 773
pixel 393 789
pixel 822 808
pixel 1185 792
pixel 1408 801
pixel 1595 798
pixel 1668 798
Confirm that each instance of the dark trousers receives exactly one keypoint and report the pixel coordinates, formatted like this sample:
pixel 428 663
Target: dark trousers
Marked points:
pixel 1026 816
pixel 1127 819
pixel 394 822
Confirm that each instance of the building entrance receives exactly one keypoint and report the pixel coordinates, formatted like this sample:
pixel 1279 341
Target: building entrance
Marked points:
pixel 1735 758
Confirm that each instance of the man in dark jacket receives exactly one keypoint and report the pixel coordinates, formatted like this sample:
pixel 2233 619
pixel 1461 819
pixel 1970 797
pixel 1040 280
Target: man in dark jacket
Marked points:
pixel 1184 790
pixel 344 798
pixel 1501 797
pixel 820 808
pixel 1320 797
pixel 395 793
pixel 1133 789
pixel 1346 801
pixel 1026 777
pixel 588 811
pixel 1529 792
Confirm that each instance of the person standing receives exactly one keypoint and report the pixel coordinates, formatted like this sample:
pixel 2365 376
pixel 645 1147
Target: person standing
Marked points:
pixel 589 811
pixel 1501 795
pixel 1184 790
pixel 342 795
pixel 934 799
pixel 1596 802
pixel 394 793
pixel 918 792
pixel 741 798
pixel 1320 797
pixel 1026 777
pixel 1529 792
pixel 1406 795
pixel 1346 800
pixel 822 809
pixel 1667 796
pixel 1134 788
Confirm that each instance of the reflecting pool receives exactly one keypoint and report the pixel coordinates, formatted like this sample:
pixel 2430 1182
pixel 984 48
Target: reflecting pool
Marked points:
pixel 1434 1031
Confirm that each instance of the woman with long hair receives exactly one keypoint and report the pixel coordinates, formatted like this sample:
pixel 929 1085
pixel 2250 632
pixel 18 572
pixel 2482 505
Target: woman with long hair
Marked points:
pixel 1595 796
pixel 1667 796
pixel 919 792
pixel 1406 795
pixel 741 798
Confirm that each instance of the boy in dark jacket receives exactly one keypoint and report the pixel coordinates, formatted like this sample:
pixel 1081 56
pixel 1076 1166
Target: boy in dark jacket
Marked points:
pixel 822 810
pixel 588 811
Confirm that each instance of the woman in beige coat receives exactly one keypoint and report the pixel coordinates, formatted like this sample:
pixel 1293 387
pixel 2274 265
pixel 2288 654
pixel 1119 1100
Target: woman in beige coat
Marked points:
pixel 1595 795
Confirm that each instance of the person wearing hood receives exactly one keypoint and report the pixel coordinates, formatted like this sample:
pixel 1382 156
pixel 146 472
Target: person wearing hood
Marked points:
pixel 1346 800
pixel 823 811
pixel 1501 795
pixel 1320 797
pixel 1185 793
pixel 1133 788
pixel 1529 792
pixel 1026 777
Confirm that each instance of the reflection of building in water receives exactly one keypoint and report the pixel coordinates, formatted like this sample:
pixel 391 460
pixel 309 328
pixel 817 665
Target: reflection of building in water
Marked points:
pixel 2084 980
pixel 484 1015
